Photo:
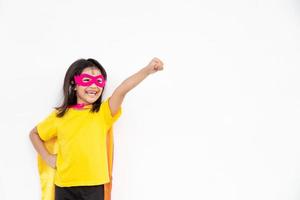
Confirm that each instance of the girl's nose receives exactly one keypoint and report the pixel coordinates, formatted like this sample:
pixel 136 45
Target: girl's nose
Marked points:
pixel 93 85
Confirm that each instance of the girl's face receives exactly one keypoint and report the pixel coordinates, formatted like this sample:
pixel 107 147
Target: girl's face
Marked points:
pixel 88 94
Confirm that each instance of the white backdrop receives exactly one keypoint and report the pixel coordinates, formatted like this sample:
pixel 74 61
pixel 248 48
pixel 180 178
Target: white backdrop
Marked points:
pixel 220 122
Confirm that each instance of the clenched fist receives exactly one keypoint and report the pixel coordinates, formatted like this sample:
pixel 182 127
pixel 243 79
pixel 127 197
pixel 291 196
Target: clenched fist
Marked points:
pixel 155 65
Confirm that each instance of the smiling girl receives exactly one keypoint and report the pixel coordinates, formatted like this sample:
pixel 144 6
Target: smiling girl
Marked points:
pixel 80 125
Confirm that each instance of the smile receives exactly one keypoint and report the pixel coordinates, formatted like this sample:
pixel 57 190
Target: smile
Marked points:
pixel 91 93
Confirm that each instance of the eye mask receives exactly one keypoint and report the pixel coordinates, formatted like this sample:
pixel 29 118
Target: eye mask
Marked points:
pixel 88 80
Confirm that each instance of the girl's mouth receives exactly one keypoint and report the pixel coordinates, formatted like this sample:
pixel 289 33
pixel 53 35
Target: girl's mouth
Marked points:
pixel 91 93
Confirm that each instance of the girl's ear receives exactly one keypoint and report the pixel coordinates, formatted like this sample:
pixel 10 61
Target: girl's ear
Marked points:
pixel 73 85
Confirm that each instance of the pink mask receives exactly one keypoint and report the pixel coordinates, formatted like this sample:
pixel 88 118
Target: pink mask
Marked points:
pixel 88 80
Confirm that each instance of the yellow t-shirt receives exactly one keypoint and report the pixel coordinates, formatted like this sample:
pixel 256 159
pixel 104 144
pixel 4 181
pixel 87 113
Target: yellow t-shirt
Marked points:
pixel 81 136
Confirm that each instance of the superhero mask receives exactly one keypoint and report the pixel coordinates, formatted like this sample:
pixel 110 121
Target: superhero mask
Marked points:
pixel 88 80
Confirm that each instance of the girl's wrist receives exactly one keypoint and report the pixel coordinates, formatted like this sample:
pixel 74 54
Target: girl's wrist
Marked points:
pixel 146 70
pixel 45 156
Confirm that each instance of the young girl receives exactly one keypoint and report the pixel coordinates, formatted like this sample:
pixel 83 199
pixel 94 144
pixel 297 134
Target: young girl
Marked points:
pixel 79 157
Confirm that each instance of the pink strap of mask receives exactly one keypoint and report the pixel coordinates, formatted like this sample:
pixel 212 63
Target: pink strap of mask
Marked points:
pixel 88 80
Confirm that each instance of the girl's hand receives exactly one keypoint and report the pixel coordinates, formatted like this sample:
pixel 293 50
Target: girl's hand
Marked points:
pixel 51 160
pixel 155 65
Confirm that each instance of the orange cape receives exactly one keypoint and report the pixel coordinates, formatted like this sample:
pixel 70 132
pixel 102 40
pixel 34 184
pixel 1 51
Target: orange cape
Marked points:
pixel 47 173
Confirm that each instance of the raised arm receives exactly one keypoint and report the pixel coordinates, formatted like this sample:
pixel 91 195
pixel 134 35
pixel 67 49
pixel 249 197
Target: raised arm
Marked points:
pixel 118 95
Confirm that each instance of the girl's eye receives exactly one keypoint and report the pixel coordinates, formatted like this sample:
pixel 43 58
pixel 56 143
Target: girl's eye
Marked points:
pixel 100 80
pixel 86 80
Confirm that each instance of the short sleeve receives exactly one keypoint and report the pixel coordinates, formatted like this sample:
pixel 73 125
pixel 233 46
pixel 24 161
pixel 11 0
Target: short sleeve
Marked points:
pixel 106 112
pixel 47 128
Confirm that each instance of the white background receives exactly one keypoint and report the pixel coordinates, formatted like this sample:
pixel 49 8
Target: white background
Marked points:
pixel 220 122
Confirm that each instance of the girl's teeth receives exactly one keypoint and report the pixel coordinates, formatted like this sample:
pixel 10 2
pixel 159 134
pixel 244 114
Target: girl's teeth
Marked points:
pixel 91 93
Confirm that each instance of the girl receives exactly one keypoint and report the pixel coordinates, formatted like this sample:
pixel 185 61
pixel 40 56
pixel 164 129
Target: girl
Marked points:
pixel 79 158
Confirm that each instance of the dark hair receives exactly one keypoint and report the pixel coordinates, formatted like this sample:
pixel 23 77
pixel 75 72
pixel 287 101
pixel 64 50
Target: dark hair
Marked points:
pixel 70 98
